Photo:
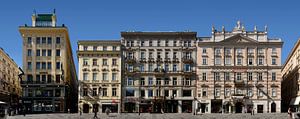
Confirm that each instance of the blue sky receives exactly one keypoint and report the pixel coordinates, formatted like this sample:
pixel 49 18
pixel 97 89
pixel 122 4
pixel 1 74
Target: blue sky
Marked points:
pixel 100 19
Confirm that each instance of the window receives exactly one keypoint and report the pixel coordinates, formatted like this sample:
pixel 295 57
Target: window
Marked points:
pixel 174 81
pixel 57 65
pixel 217 92
pixel 142 81
pixel 250 61
pixel 204 92
pixel 204 51
pixel 85 48
pixel 95 62
pixel 250 51
pixel 259 76
pixel 158 43
pixel 29 52
pixel 150 81
pixel 49 65
pixel 158 81
pixel 204 76
pixel 43 78
pixel 38 53
pixel 174 67
pixel 49 53
pixel 150 55
pixel 274 50
pixel 187 82
pixel 49 40
pixel 260 93
pixel 174 55
pixel 150 93
pixel 104 62
pixel 95 76
pixel 216 76
pixel 94 91
pixel 273 76
pixel 260 51
pixel 142 55
pixel 104 91
pixel 166 93
pixel 44 53
pixel 29 65
pixel 29 78
pixel 130 81
pixel 114 48
pixel 150 43
pixel 85 76
pixel 38 65
pixel 104 48
pixel 186 93
pixel 57 78
pixel 227 51
pixel 38 79
pixel 174 93
pixel 114 91
pixel 104 76
pixel 187 67
pixel 204 61
pixel 150 68
pixel 227 92
pixel 249 74
pixel 174 43
pixel 43 40
pixel 114 76
pixel 239 61
pixel 167 80
pixel 129 92
pixel 238 76
pixel 260 61
pixel 273 92
pixel 85 62
pixel 218 61
pixel 114 62
pixel 239 51
pixel 227 76
pixel 227 61
pixel 43 65
pixel 38 40
pixel 57 52
pixel 273 61
pixel 167 67
pixel 85 91
pixel 250 92
pixel 29 40
pixel 167 43
pixel 217 51
pixel 57 40
pixel 142 43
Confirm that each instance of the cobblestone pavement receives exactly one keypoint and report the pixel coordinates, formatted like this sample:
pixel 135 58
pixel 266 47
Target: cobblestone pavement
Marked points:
pixel 153 116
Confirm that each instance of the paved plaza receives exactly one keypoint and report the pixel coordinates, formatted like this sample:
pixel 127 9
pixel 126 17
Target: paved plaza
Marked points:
pixel 153 116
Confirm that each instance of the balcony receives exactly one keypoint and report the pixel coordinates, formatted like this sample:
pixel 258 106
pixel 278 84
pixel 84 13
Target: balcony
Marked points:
pixel 274 54
pixel 159 60
pixel 240 54
pixel 151 60
pixel 228 54
pixel 250 54
pixel 239 82
pixel 218 54
pixel 175 60
pixel 261 54
pixel 167 60
pixel 130 60
pixel 143 60
pixel 187 60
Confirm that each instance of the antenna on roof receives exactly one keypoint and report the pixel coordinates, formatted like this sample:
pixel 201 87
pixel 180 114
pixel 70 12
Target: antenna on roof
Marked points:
pixel 34 11
pixel 54 11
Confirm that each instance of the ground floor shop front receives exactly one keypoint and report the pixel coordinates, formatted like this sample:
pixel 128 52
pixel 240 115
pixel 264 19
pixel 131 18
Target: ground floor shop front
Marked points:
pixel 44 105
pixel 99 106
pixel 237 106
pixel 157 106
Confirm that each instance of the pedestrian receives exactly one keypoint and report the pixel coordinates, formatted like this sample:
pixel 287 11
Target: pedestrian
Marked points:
pixel 95 113
pixel 253 111
pixel 24 111
pixel 80 111
pixel 290 112
pixel 107 111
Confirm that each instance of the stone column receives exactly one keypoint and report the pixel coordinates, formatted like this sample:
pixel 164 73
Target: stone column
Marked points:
pixel 229 108
pixel 179 106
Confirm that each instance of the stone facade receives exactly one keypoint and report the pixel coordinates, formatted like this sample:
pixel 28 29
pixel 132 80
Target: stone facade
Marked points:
pixel 238 71
pixel 10 88
pixel 50 81
pixel 159 72
pixel 99 75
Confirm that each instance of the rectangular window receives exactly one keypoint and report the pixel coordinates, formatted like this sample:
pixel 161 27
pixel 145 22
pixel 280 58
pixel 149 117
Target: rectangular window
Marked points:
pixel 273 76
pixel 227 51
pixel 273 61
pixel 114 76
pixel 174 81
pixel 204 76
pixel 43 40
pixel 104 76
pixel 38 65
pixel 260 61
pixel 104 48
pixel 273 92
pixel 187 67
pixel 38 40
pixel 49 53
pixel 104 62
pixel 150 93
pixel 95 62
pixel 238 76
pixel 114 91
pixel 227 76
pixel 174 68
pixel 57 52
pixel 250 61
pixel 217 92
pixel 186 93
pixel 104 91
pixel 57 65
pixel 94 91
pixel 44 53
pixel 114 48
pixel 57 40
pixel 150 81
pixel 38 79
pixel 43 65
pixel 29 65
pixel 85 62
pixel 204 93
pixel 218 61
pixel 114 62
pixel 85 92
pixel 57 78
pixel 167 43
pixel 227 92
pixel 130 81
pixel 167 80
pixel 227 61
pixel 204 61
pixel 249 74
pixel 250 92
pixel 204 50
pixel 49 65
pixel 166 93
pixel 29 52
pixel 216 76
pixel 29 40
pixel 175 43
pixel 274 50
pixel 38 53
pixel 85 48
pixel 174 93
pixel 95 76
pixel 129 92
pixel 85 76
pixel 142 81
pixel 142 43
pixel 259 76
pixel 49 40
pixel 239 61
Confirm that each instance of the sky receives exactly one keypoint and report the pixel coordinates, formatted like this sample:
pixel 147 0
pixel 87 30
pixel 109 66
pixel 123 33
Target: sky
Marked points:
pixel 105 19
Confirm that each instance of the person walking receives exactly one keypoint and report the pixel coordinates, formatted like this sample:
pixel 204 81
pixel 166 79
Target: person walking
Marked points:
pixel 95 113
pixel 290 112
pixel 24 111
pixel 107 111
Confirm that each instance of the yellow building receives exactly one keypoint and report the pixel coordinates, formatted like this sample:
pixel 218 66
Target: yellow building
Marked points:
pixel 10 89
pixel 50 82
pixel 99 75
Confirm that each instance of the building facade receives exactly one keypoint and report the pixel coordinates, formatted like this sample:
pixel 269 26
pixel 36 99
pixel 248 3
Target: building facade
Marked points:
pixel 50 81
pixel 290 80
pixel 99 75
pixel 10 88
pixel 238 71
pixel 159 72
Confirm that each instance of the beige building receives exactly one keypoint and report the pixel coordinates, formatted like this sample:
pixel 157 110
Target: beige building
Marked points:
pixel 50 82
pixel 290 80
pixel 159 72
pixel 238 71
pixel 10 88
pixel 99 75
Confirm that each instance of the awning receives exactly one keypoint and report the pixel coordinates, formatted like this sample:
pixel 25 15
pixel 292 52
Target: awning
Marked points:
pixel 295 101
